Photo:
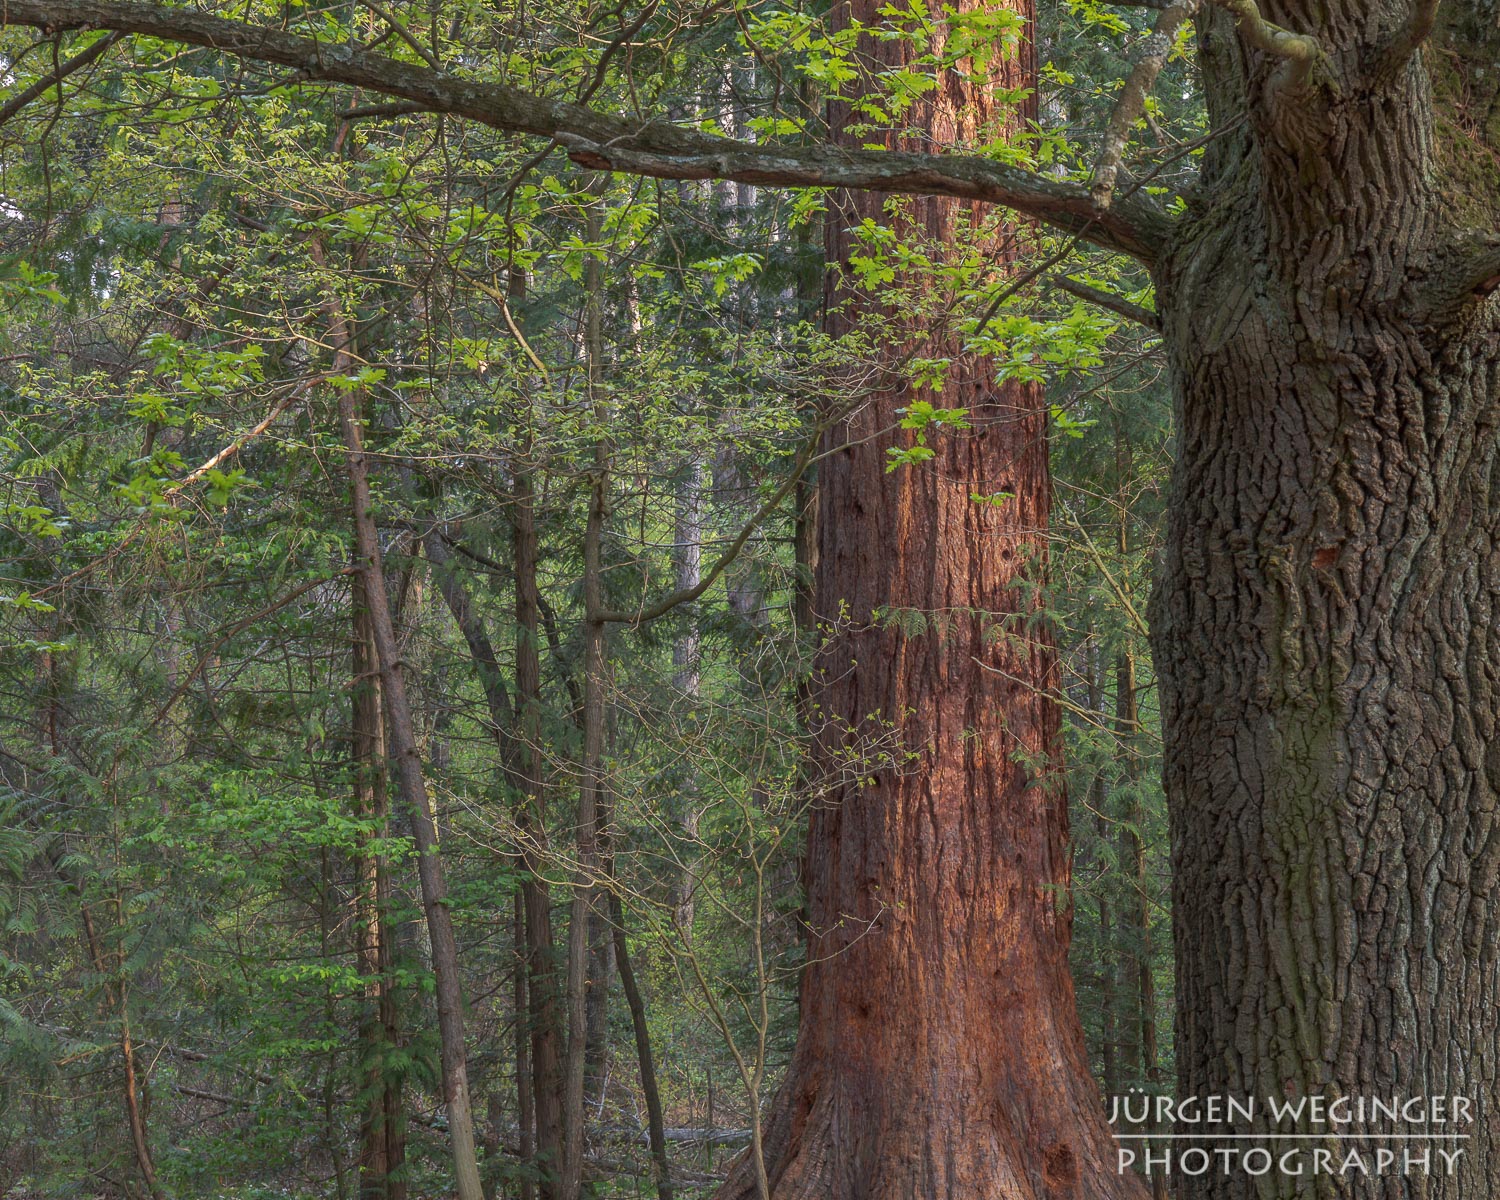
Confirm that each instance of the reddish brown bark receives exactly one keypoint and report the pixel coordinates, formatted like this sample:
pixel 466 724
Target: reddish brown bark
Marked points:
pixel 940 1052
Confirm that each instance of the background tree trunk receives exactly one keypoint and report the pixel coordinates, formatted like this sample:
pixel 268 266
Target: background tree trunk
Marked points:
pixel 544 1004
pixel 655 1124
pixel 586 890
pixel 939 1052
pixel 382 1136
pixel 1109 972
pixel 410 780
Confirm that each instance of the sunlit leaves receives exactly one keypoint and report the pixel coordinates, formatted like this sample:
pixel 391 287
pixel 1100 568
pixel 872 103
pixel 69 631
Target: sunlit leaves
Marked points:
pixel 921 418
pixel 729 269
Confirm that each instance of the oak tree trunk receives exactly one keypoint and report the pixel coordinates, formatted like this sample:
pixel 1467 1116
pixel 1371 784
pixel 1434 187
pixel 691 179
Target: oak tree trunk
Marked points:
pixel 939 1052
pixel 1324 619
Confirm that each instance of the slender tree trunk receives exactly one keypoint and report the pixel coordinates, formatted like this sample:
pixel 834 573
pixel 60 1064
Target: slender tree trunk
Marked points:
pixel 117 996
pixel 595 666
pixel 939 1051
pixel 1133 861
pixel 382 1152
pixel 133 1108
pixel 525 1096
pixel 686 679
pixel 413 788
pixel 587 835
pixel 517 732
pixel 542 982
pixel 655 1122
pixel 411 784
pixel 523 755
pixel 743 589
pixel 600 975
pixel 1109 1034
pixel 1135 913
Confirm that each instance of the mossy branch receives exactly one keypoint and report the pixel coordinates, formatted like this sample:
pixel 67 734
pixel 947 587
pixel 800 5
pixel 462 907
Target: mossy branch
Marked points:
pixel 1300 52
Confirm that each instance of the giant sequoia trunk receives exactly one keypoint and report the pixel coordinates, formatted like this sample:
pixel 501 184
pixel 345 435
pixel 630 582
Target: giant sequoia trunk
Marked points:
pixel 939 1052
pixel 1324 620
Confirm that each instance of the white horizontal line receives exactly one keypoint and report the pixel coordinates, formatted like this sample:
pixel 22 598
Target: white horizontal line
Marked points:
pixel 1305 1137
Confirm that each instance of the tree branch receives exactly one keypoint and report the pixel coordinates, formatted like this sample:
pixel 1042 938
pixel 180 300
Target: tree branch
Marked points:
pixel 606 141
pixel 237 628
pixel 1300 51
pixel 400 108
pixel 403 33
pixel 1138 227
pixel 1397 53
pixel 1460 274
pixel 1132 99
pixel 1115 304
pixel 240 442
pixel 82 59
pixel 710 577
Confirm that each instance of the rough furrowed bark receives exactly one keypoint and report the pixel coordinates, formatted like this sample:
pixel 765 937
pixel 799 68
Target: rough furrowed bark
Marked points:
pixel 1323 619
pixel 939 1052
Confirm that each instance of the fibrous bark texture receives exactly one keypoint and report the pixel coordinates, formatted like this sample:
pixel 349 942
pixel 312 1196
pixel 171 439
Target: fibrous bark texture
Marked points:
pixel 939 1052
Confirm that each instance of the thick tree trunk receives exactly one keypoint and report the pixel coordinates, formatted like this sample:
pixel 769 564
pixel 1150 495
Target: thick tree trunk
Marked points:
pixel 1323 624
pixel 939 1052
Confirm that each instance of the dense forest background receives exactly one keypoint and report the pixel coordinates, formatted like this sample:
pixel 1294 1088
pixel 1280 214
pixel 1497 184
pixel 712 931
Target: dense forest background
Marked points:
pixel 577 394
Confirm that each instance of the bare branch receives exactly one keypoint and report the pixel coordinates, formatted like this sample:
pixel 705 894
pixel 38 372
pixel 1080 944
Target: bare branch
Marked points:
pixel 237 628
pixel 710 577
pixel 1132 99
pixel 402 32
pixel 238 443
pixel 606 141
